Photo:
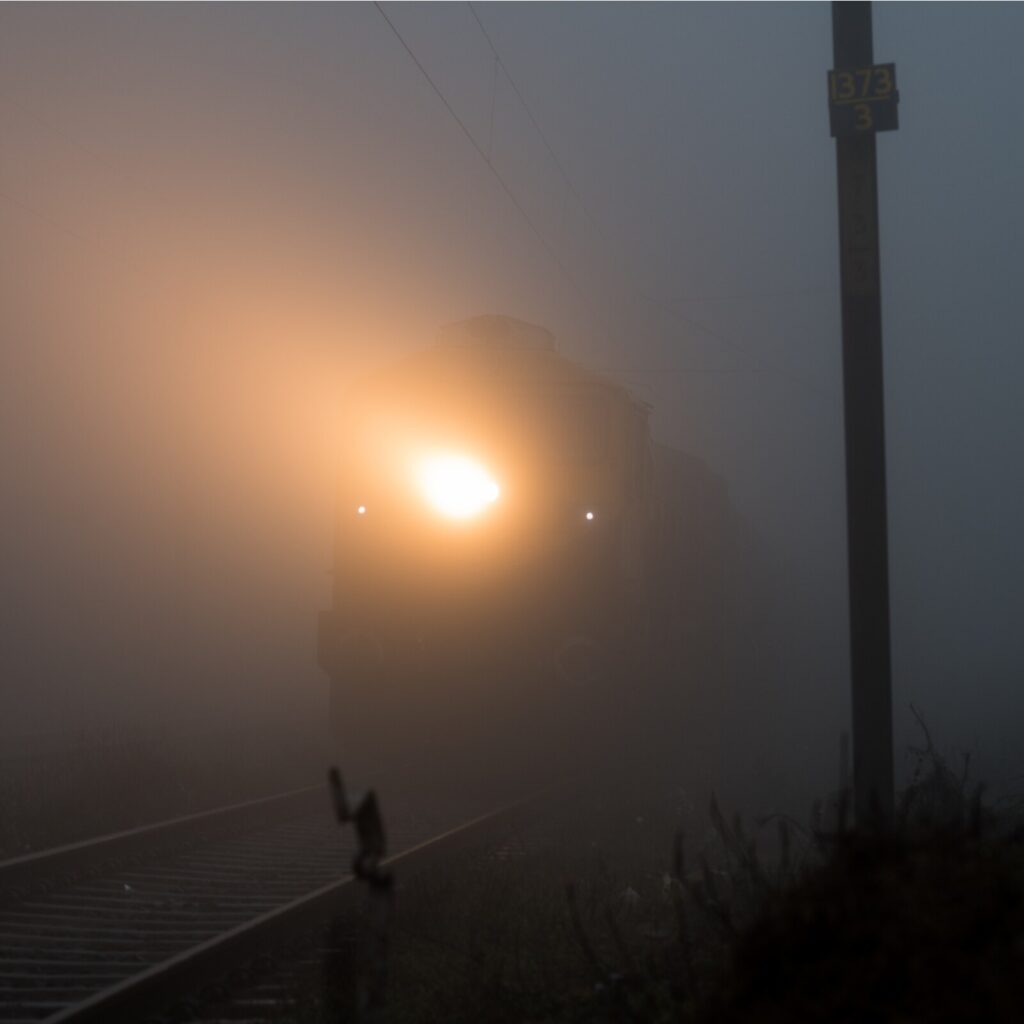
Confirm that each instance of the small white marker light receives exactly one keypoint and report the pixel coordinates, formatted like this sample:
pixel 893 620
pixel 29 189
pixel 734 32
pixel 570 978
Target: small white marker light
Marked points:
pixel 590 516
pixel 361 511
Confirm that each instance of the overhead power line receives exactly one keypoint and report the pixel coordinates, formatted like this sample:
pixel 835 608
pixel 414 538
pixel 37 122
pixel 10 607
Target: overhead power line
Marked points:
pixel 548 247
pixel 669 307
pixel 666 306
pixel 529 113
pixel 506 188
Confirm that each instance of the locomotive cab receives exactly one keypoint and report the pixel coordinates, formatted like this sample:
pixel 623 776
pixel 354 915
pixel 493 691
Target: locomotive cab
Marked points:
pixel 493 516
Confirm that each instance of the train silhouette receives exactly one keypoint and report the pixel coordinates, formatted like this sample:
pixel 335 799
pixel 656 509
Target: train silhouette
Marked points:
pixel 507 530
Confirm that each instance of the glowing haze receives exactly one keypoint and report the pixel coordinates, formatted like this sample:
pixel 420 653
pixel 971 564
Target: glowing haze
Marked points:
pixel 455 485
pixel 214 218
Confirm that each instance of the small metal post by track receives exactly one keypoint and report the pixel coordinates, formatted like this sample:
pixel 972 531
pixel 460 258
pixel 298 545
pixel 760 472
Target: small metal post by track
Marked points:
pixel 355 968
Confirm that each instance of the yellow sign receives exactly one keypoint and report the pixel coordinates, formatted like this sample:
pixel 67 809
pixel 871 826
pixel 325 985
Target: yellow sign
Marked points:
pixel 863 100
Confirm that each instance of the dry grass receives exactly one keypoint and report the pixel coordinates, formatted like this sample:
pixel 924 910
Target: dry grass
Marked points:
pixel 572 922
pixel 609 914
pixel 600 919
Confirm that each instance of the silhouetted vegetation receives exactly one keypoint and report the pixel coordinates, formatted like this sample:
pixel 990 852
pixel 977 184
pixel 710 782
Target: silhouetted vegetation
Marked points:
pixel 817 923
pixel 921 923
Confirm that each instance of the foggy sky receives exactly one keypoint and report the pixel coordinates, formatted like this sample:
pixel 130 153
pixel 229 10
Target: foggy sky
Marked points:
pixel 212 218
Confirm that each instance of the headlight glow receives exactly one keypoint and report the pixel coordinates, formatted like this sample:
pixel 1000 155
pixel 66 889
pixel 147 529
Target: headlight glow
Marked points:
pixel 456 486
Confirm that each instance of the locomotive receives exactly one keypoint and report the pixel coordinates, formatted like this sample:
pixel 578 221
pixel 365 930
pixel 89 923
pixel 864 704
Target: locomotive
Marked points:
pixel 507 530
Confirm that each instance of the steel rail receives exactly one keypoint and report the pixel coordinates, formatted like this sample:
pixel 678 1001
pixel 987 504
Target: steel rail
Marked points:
pixel 190 972
pixel 87 855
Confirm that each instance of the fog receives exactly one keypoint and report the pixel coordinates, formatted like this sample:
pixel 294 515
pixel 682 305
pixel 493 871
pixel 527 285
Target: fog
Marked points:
pixel 214 220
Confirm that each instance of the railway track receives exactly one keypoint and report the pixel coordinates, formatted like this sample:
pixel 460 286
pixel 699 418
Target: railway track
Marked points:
pixel 118 927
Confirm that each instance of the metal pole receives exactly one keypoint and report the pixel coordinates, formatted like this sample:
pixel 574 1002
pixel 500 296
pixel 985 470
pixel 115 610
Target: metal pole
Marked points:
pixel 863 402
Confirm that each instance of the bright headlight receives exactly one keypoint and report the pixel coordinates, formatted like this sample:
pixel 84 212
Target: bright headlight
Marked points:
pixel 456 486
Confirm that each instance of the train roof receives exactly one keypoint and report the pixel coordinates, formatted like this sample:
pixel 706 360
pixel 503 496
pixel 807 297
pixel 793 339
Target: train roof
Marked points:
pixel 502 346
pixel 495 331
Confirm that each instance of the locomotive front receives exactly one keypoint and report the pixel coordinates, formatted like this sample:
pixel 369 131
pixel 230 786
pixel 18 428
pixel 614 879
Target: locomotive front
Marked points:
pixel 491 513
